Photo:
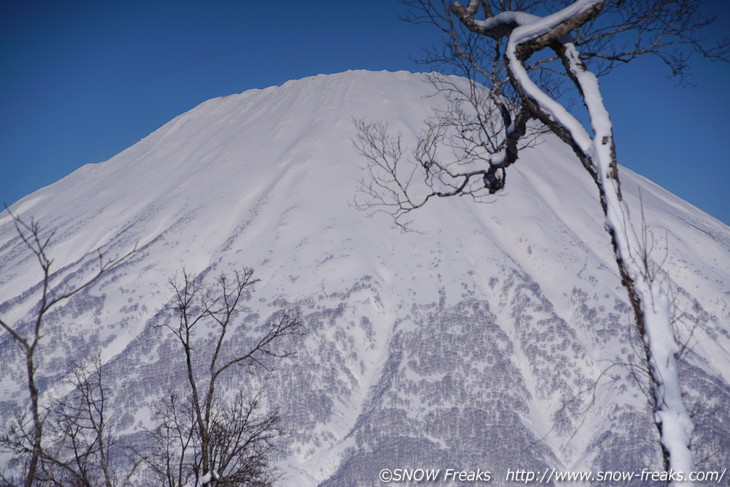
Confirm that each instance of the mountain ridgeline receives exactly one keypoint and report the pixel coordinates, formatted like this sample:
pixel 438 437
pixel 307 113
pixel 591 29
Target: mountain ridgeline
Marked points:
pixel 494 336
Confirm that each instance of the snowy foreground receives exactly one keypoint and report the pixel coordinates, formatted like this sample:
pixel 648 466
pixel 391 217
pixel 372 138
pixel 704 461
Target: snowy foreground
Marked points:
pixel 489 339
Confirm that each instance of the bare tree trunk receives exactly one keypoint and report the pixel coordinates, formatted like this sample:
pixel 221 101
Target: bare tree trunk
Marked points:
pixel 37 422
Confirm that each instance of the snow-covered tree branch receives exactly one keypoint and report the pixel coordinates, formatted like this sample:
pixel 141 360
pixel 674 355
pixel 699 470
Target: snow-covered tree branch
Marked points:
pixel 519 59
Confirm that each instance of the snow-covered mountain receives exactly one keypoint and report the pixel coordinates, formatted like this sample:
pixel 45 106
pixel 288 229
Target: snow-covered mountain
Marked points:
pixel 489 338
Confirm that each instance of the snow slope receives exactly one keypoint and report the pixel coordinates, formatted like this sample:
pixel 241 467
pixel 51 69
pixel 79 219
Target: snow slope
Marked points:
pixel 488 338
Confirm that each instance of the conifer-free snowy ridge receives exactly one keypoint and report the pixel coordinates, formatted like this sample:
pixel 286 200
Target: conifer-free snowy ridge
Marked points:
pixel 490 337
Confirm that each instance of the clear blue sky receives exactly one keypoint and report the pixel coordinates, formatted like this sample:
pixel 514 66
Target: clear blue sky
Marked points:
pixel 81 81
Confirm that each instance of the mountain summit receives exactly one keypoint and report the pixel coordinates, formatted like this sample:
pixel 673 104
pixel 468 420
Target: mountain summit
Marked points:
pixel 494 336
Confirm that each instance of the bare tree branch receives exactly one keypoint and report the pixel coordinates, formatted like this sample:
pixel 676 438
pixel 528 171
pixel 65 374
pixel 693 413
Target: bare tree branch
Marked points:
pixel 27 335
pixel 207 438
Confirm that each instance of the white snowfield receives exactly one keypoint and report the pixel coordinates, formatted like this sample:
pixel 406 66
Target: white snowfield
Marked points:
pixel 491 337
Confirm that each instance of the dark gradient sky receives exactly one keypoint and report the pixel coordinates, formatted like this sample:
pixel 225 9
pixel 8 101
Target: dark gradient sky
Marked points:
pixel 81 81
